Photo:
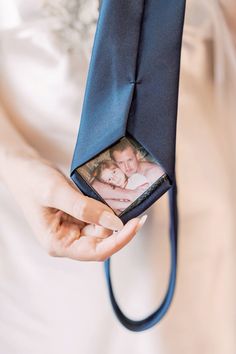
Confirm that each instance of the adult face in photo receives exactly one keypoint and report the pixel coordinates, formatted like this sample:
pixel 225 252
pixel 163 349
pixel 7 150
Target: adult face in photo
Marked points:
pixel 126 160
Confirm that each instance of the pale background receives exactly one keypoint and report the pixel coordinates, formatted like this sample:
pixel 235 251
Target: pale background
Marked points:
pixel 59 306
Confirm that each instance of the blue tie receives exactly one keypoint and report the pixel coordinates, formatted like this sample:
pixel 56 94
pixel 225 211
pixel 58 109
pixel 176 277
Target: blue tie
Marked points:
pixel 132 91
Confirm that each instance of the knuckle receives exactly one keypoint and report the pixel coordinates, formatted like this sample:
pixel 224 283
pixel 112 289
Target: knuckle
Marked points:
pixel 51 251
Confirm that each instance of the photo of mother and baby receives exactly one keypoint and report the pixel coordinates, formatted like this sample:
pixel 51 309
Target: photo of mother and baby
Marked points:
pixel 121 175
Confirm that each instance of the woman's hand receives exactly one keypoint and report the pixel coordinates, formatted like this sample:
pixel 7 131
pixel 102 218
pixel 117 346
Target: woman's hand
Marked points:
pixel 66 223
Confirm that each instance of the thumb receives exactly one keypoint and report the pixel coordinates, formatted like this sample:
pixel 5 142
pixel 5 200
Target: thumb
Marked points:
pixel 89 210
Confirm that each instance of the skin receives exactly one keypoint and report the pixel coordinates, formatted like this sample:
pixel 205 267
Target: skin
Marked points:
pixel 109 192
pixel 114 176
pixel 127 161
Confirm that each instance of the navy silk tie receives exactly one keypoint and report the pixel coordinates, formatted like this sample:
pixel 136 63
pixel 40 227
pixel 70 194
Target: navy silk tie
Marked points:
pixel 132 91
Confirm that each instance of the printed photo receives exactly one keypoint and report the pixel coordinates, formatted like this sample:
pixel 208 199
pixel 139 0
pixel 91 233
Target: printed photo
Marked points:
pixel 123 175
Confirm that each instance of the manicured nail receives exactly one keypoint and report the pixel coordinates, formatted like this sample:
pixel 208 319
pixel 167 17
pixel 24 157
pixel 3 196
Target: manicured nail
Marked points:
pixel 110 221
pixel 141 222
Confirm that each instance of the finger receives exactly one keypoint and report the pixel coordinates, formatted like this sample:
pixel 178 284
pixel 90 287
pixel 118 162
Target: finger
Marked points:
pixel 72 220
pixel 86 209
pixel 117 241
pixel 71 236
pixel 54 221
pixel 64 229
pixel 63 238
pixel 55 218
pixel 95 231
pixel 98 249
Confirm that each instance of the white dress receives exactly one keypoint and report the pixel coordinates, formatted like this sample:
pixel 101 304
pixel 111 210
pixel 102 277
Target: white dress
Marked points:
pixel 60 306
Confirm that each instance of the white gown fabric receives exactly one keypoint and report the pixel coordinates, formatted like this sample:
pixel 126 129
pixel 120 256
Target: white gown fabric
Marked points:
pixel 60 306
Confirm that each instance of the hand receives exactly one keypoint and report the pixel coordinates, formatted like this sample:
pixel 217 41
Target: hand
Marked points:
pixel 143 186
pixel 66 223
pixel 140 189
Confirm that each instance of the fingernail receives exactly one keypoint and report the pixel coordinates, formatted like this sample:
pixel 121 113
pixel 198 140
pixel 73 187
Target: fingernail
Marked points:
pixel 141 222
pixel 110 221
